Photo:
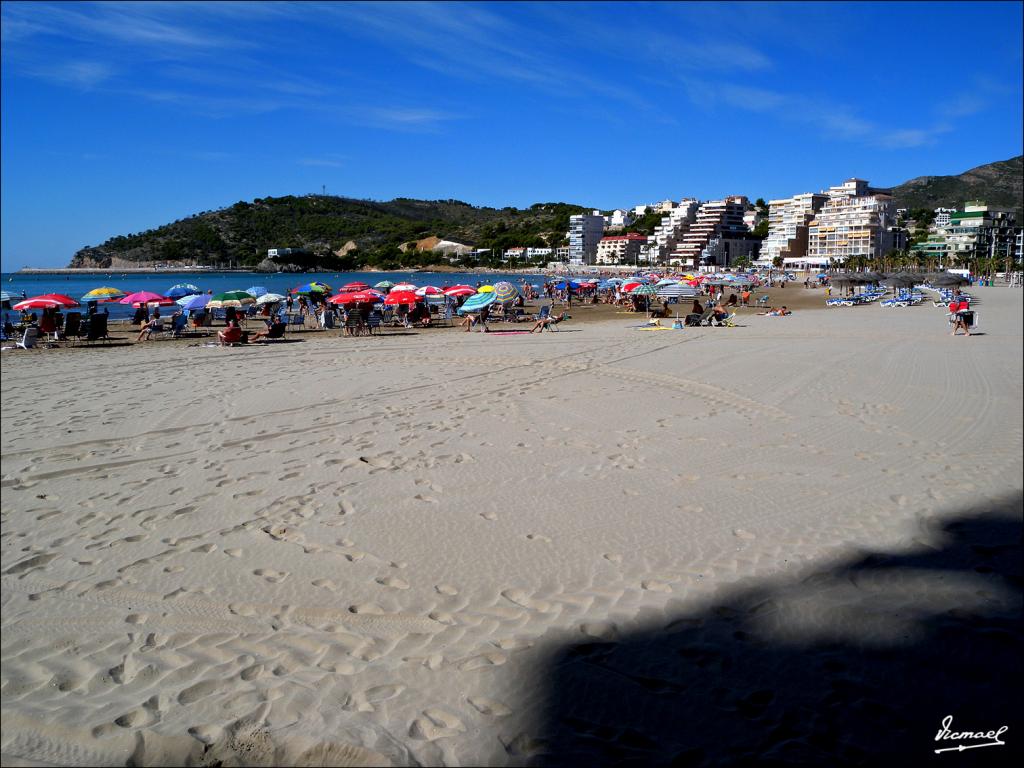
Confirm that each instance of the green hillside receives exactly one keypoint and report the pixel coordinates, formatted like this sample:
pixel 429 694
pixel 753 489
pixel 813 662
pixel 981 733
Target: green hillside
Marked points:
pixel 1000 184
pixel 241 234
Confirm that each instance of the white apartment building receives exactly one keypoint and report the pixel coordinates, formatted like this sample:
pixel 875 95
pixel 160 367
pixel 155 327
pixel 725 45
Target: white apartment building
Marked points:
pixel 620 249
pixel 942 216
pixel 715 218
pixel 618 218
pixel 640 210
pixel 536 253
pixel 585 232
pixel 665 206
pixel 787 225
pixel 752 218
pixel 855 221
pixel 670 230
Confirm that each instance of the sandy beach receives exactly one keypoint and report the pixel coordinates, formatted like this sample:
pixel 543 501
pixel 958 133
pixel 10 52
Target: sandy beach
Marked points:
pixel 796 540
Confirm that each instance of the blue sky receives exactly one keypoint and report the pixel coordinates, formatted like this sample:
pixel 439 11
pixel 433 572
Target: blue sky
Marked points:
pixel 118 117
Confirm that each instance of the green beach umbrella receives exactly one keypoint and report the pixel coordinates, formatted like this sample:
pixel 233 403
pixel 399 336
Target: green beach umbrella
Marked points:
pixel 231 299
pixel 384 285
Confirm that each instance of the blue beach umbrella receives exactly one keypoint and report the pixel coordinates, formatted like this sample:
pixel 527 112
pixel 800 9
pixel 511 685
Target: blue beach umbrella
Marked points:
pixel 182 289
pixel 256 291
pixel 477 301
pixel 194 302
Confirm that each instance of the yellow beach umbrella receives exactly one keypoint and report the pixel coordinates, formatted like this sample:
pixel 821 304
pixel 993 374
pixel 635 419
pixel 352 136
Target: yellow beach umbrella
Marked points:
pixel 485 289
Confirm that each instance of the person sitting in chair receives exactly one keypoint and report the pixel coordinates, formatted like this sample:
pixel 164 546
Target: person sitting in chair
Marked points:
pixel 719 314
pixel 546 322
pixel 155 324
pixel 232 334
pixel 275 330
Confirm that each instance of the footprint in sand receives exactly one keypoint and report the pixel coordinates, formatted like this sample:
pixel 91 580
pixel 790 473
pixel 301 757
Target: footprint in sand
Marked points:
pixel 739 533
pixel 446 589
pixel 434 724
pixel 490 707
pixel 522 598
pixel 612 557
pixel 483 661
pixel 488 516
pixel 393 582
pixel 538 537
pixel 269 574
pixel 654 585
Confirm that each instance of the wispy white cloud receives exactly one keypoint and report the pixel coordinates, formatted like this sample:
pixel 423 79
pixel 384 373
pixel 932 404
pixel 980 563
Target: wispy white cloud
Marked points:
pixel 83 74
pixel 832 119
pixel 321 162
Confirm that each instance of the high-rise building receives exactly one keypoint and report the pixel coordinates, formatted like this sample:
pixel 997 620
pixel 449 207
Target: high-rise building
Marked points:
pixel 856 221
pixel 667 233
pixel 787 226
pixel 715 219
pixel 585 232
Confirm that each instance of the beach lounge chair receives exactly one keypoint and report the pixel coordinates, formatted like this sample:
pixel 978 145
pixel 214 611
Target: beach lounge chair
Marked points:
pixel 374 322
pixel 762 301
pixel 28 338
pixel 354 324
pixel 72 326
pixel 179 325
pixel 97 328
pixel 729 321
pixel 544 313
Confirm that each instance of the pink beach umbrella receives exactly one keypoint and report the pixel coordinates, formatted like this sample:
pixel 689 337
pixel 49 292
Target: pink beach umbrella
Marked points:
pixel 146 297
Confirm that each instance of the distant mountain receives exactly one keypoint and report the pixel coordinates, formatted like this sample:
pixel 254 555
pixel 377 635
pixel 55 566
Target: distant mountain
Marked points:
pixel 340 233
pixel 336 232
pixel 999 184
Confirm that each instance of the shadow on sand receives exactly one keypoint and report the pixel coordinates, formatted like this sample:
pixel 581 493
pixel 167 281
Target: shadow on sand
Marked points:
pixel 856 663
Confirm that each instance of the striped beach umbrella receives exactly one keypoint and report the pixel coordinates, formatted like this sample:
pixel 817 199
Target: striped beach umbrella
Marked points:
pixel 429 290
pixel 459 290
pixel 103 294
pixel 231 299
pixel 505 292
pixel 477 301
pixel 645 290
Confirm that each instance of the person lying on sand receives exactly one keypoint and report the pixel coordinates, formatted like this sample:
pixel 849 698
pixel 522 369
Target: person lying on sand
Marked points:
pixel 773 312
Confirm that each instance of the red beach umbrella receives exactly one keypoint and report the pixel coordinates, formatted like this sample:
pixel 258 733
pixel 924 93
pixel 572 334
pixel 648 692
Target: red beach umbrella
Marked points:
pixel 460 290
pixel 356 297
pixel 36 302
pixel 630 287
pixel 401 297
pixel 63 300
pixel 353 287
